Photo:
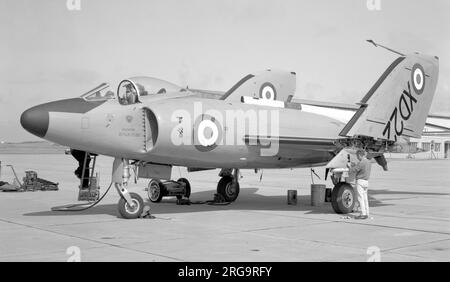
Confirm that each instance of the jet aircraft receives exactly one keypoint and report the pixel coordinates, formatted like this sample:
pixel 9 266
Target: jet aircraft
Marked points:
pixel 152 125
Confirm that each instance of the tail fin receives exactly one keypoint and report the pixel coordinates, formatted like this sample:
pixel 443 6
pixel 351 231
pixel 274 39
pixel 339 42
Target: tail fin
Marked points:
pixel 398 104
pixel 267 85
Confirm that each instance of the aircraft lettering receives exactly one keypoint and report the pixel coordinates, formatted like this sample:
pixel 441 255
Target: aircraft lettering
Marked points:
pixel 404 102
pixel 122 134
pixel 387 129
pixel 129 132
pixel 405 108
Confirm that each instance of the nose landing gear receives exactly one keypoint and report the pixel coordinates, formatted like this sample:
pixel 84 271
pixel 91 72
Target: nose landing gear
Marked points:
pixel 131 211
pixel 130 205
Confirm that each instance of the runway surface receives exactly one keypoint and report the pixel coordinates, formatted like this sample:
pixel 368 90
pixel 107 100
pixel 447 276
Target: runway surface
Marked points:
pixel 410 205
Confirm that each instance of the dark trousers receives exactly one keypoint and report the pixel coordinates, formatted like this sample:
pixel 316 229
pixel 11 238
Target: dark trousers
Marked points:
pixel 79 156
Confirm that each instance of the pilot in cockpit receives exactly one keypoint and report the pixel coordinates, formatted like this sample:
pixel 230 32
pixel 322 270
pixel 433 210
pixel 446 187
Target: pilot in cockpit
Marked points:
pixel 131 95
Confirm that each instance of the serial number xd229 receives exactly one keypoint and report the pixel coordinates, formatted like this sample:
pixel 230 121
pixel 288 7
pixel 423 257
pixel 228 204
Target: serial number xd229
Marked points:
pixel 405 108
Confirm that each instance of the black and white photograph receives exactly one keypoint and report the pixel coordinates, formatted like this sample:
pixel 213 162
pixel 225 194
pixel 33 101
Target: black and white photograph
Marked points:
pixel 224 135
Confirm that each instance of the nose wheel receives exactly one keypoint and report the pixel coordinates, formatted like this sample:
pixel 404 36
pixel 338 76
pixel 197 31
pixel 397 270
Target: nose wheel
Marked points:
pixel 130 205
pixel 131 211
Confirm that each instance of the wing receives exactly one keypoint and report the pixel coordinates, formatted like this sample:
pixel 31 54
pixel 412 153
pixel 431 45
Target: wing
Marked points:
pixel 209 94
pixel 344 112
pixel 293 147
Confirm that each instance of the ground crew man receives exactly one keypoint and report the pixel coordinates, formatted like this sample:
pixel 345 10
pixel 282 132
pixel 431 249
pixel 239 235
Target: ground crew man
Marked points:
pixel 362 172
pixel 79 156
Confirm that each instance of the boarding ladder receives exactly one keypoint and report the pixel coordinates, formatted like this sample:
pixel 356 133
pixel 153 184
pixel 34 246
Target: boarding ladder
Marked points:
pixel 91 191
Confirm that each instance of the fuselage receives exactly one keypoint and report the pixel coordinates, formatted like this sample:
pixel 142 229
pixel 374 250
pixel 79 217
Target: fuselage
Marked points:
pixel 181 130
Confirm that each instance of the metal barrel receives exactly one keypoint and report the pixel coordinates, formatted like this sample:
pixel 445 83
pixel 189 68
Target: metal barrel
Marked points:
pixel 317 194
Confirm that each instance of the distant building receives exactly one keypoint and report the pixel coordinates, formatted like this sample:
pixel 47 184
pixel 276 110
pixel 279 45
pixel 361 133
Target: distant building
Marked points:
pixel 435 140
pixel 436 145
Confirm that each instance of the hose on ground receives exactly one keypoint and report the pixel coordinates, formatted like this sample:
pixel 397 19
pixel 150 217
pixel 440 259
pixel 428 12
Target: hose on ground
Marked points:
pixel 78 207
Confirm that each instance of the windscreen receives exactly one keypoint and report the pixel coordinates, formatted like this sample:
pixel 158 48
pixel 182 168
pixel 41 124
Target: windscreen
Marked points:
pixel 101 92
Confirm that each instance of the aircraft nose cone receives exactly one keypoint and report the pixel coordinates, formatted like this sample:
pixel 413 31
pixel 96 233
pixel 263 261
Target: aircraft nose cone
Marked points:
pixel 35 120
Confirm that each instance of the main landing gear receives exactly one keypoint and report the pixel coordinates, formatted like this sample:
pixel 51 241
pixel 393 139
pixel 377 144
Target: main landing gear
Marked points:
pixel 343 198
pixel 228 186
pixel 343 195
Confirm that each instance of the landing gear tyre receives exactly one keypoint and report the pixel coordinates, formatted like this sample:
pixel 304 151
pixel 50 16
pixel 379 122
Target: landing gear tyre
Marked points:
pixel 343 198
pixel 155 191
pixel 228 189
pixel 187 191
pixel 131 212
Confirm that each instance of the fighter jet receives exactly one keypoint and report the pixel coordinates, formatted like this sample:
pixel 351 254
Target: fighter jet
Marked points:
pixel 153 125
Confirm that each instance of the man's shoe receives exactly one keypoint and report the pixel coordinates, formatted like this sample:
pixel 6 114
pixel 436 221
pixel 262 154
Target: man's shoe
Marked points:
pixel 362 217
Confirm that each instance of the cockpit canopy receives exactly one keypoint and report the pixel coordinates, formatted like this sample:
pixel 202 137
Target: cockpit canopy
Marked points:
pixel 99 93
pixel 130 90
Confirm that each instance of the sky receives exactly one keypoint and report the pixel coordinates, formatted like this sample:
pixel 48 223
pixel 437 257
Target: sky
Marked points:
pixel 50 52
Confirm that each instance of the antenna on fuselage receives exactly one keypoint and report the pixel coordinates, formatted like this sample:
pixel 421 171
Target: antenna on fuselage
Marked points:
pixel 387 48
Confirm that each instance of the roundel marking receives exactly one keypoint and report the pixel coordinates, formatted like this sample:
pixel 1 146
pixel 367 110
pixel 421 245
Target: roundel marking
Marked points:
pixel 207 133
pixel 418 78
pixel 267 92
